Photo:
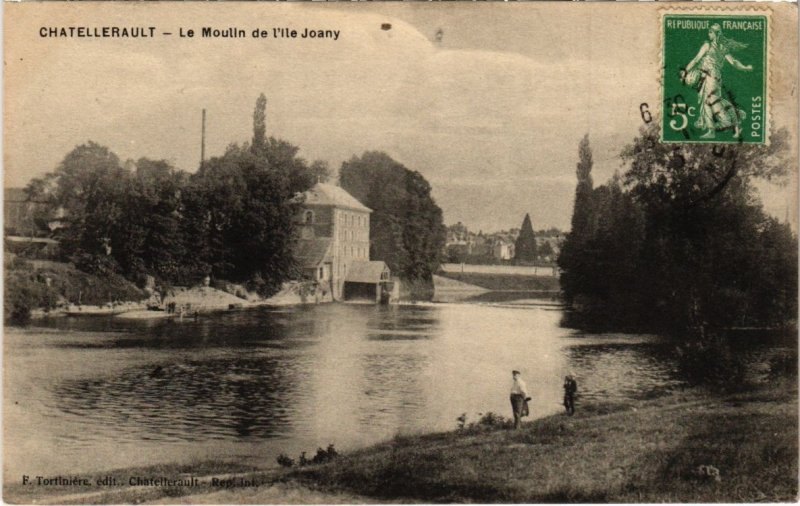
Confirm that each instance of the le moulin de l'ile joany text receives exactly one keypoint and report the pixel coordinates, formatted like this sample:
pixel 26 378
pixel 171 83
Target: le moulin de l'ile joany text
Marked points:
pixel 208 32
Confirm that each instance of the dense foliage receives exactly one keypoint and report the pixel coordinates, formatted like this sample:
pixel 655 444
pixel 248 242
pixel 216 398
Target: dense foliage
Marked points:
pixel 680 242
pixel 406 228
pixel 231 220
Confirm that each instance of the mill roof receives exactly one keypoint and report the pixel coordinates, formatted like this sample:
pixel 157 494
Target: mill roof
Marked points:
pixel 312 252
pixel 362 271
pixel 323 194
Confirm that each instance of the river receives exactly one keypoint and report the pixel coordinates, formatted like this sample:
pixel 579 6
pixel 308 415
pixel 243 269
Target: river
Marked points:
pixel 91 394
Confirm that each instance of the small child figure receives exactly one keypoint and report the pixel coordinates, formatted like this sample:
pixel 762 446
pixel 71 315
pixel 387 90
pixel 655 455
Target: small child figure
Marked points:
pixel 570 387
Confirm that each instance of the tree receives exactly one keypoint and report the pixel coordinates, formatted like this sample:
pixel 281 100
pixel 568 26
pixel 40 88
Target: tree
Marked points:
pixel 582 211
pixel 424 232
pixel 282 155
pixel 320 171
pixel 232 219
pixel 525 246
pixel 680 243
pixel 239 214
pixel 150 234
pixel 89 185
pixel 260 123
pixel 406 225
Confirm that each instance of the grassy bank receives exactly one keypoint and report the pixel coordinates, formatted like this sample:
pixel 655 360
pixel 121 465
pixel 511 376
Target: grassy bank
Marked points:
pixel 645 452
pixel 651 452
pixel 41 284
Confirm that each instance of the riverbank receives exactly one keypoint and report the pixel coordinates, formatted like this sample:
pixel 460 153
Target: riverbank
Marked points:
pixel 648 451
pixel 35 288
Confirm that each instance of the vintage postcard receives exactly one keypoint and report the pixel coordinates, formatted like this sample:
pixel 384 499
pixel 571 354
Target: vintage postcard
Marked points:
pixel 271 253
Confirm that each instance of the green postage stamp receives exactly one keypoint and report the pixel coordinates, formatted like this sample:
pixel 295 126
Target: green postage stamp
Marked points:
pixel 715 77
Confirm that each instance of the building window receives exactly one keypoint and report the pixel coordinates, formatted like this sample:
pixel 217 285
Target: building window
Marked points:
pixel 321 273
pixel 309 218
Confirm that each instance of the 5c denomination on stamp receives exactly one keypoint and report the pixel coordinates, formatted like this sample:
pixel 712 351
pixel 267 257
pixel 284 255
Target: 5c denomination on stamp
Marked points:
pixel 715 77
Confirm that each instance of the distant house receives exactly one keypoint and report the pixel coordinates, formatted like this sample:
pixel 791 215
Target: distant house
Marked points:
pixel 503 250
pixel 333 244
pixel 19 215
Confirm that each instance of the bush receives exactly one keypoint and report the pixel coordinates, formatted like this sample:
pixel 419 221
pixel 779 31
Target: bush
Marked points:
pixel 486 422
pixel 285 461
pixel 493 420
pixel 326 455
pixel 323 456
pixel 28 288
pixel 24 292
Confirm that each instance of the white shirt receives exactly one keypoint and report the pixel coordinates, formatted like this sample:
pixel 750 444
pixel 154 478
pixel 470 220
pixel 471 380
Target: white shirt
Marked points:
pixel 519 387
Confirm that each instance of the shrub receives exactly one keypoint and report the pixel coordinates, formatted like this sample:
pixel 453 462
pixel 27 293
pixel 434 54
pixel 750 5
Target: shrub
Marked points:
pixel 486 422
pixel 25 292
pixel 324 456
pixel 285 461
pixel 45 287
pixel 493 420
pixel 303 461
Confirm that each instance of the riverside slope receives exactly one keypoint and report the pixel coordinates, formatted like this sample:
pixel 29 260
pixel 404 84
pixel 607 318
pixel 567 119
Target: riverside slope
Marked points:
pixel 645 452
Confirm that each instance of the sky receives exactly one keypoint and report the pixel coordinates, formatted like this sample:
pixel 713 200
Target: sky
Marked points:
pixel 487 101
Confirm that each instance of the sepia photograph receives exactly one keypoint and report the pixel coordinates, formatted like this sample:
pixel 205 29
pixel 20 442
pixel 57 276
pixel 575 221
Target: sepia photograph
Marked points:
pixel 353 253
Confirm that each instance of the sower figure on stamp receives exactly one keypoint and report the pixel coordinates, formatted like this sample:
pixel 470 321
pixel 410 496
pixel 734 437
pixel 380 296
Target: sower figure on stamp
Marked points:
pixel 705 72
pixel 519 398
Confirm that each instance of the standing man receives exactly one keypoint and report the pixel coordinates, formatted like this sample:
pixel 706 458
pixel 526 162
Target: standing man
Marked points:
pixel 519 398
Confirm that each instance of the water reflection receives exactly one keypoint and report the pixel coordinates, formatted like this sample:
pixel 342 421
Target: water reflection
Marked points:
pixel 266 381
pixel 618 371
pixel 225 396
